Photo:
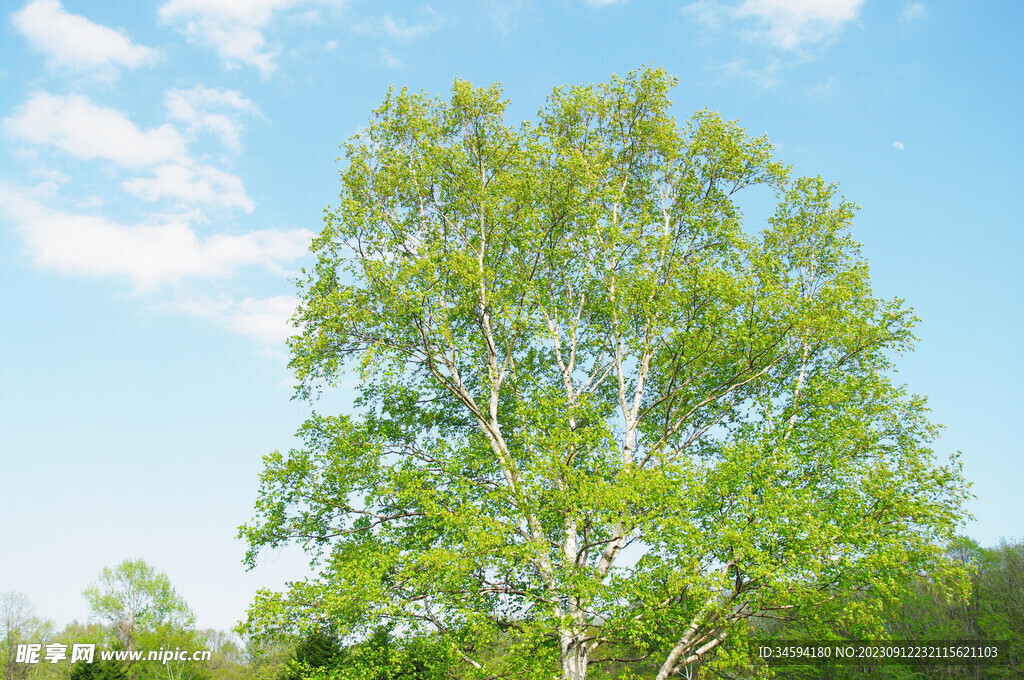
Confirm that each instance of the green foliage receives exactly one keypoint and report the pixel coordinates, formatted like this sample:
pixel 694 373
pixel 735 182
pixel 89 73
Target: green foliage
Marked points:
pixel 992 612
pixel 929 611
pixel 144 612
pixel 228 660
pixel 20 626
pixel 133 597
pixel 99 670
pixel 999 601
pixel 318 650
pixel 267 659
pixel 598 410
pixel 168 636
pixel 382 656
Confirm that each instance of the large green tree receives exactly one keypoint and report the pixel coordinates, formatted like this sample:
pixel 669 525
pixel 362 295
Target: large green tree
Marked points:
pixel 598 414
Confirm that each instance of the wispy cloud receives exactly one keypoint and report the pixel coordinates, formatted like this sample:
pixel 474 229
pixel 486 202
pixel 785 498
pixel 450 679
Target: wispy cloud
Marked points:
pixel 148 254
pixel 56 177
pixel 605 3
pixel 708 13
pixel 790 24
pixel 505 14
pixel 388 60
pixel 764 77
pixel 164 261
pixel 914 11
pixel 265 319
pixel 898 146
pixel 76 125
pixel 233 28
pixel 73 42
pixel 784 24
pixel 201 185
pixel 207 109
pixel 823 89
pixel 402 29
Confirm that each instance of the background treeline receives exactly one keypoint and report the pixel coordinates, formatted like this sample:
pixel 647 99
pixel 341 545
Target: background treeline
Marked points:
pixel 134 607
pixel 993 612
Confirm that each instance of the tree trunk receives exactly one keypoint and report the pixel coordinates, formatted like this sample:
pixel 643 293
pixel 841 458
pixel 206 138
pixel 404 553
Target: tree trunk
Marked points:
pixel 575 656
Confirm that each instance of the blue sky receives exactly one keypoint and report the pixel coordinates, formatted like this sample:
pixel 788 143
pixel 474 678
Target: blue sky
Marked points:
pixel 164 165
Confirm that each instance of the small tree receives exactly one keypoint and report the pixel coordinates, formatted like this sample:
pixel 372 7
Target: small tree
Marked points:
pixel 18 616
pixel 318 650
pixel 99 670
pixel 597 411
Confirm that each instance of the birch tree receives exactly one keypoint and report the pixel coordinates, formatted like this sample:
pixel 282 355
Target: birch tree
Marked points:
pixel 597 409
pixel 135 598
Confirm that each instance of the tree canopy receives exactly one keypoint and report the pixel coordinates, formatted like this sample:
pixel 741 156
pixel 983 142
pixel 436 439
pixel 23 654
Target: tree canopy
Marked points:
pixel 134 597
pixel 599 414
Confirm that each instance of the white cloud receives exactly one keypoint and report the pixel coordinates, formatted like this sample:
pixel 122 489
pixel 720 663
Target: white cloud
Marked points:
pixel 25 154
pixel 764 78
pixel 787 24
pixel 71 41
pixel 388 60
pixel 83 129
pixel 403 30
pixel 233 28
pixel 203 108
pixel 706 12
pixel 914 11
pixel 235 34
pixel 199 185
pixel 400 29
pixel 75 124
pixel 50 175
pixel 506 13
pixel 790 24
pixel 898 146
pixel 267 320
pixel 823 89
pixel 148 254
